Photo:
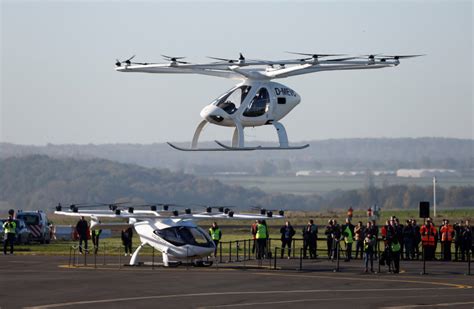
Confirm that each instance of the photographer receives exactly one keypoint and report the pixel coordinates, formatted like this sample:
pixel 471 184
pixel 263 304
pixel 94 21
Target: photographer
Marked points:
pixel 10 230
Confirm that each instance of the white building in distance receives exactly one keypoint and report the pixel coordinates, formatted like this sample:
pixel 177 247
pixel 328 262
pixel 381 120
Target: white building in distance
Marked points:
pixel 422 173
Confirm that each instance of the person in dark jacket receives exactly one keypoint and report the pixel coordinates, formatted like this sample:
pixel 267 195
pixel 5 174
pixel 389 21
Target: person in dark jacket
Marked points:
pixel 336 238
pixel 399 232
pixel 369 243
pixel 127 236
pixel 359 232
pixel 310 232
pixel 417 238
pixel 287 232
pixel 467 240
pixel 458 240
pixel 409 240
pixel 329 240
pixel 374 231
pixel 82 229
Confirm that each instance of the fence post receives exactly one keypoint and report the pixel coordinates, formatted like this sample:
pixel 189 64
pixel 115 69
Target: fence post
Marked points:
pixel 245 249
pixel 301 258
pixel 237 248
pixel 153 258
pixel 275 258
pixel 220 252
pixel 85 257
pixel 469 253
pixel 424 259
pixel 230 251
pixel 293 249
pixel 378 252
pixel 337 256
pixel 95 260
pixel 70 253
pixel 105 249
pixel 249 250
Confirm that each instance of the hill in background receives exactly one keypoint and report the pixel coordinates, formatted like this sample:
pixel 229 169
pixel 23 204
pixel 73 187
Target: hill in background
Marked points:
pixel 40 182
pixel 347 154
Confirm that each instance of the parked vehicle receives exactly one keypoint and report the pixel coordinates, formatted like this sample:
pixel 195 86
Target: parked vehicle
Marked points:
pixel 23 234
pixel 38 224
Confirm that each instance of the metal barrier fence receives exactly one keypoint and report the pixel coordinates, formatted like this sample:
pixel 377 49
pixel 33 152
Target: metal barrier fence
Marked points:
pixel 241 250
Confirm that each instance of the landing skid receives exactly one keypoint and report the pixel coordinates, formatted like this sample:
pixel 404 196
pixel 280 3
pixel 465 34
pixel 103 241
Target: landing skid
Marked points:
pixel 229 148
pixel 208 149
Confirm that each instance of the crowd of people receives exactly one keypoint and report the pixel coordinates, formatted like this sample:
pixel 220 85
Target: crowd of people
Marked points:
pixel 395 241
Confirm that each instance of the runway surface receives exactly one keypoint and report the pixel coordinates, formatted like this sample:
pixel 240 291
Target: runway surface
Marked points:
pixel 48 282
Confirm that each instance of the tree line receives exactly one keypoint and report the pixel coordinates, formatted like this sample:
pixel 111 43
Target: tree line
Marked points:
pixel 40 182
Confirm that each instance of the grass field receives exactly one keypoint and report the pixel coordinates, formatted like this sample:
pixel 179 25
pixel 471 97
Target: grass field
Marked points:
pixel 325 184
pixel 234 230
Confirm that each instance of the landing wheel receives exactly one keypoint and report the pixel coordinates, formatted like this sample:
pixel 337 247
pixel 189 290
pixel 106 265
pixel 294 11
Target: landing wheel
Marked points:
pixel 203 263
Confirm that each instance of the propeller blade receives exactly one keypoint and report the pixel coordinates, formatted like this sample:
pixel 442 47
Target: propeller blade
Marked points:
pixel 172 58
pixel 222 59
pixel 314 56
pixel 342 59
pixel 396 57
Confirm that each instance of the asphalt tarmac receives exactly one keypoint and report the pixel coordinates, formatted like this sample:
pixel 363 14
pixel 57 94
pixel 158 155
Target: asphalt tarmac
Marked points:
pixel 48 282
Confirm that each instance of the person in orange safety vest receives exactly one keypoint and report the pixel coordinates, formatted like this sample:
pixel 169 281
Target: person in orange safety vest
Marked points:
pixel 428 239
pixel 447 235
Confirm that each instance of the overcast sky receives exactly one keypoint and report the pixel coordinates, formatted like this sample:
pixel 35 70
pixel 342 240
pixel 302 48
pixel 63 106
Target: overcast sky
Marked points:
pixel 58 82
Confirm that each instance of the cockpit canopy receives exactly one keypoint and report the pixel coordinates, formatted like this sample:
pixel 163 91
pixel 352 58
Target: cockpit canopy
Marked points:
pixel 184 235
pixel 232 100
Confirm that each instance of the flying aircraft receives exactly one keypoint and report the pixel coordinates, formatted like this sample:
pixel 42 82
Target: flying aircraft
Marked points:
pixel 175 234
pixel 257 100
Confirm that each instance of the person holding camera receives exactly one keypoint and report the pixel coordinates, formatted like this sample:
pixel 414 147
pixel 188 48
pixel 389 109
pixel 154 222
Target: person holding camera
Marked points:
pixel 9 228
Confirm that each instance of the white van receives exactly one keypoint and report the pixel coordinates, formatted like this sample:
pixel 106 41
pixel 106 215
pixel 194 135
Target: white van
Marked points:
pixel 37 222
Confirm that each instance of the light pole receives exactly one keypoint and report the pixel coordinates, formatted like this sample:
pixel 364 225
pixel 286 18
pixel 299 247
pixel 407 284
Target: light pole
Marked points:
pixel 434 196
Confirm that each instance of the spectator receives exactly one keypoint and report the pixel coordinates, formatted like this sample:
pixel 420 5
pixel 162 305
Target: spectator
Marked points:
pixel 359 232
pixel 9 230
pixel 374 231
pixel 127 236
pixel 95 234
pixel 409 240
pixel 395 255
pixel 417 238
pixel 310 232
pixel 458 240
pixel 467 246
pixel 369 249
pixel 329 237
pixel 447 235
pixel 253 230
pixel 348 233
pixel 428 239
pixel 336 238
pixel 82 229
pixel 216 235
pixel 399 232
pixel 261 236
pixel 287 232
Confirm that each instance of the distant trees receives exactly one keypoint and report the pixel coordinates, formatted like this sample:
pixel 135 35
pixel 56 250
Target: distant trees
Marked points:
pixel 40 182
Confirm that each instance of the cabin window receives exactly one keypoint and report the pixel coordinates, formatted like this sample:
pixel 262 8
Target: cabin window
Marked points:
pixel 281 100
pixel 183 235
pixel 231 100
pixel 259 104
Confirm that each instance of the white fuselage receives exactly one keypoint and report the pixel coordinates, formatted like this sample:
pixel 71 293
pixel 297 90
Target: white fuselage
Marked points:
pixel 251 103
pixel 177 239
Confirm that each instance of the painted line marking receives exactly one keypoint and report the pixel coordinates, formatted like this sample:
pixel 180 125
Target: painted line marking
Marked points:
pixel 455 285
pixel 332 299
pixel 113 300
pixel 432 305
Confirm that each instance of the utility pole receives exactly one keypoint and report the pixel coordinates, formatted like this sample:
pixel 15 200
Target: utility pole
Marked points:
pixel 434 196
